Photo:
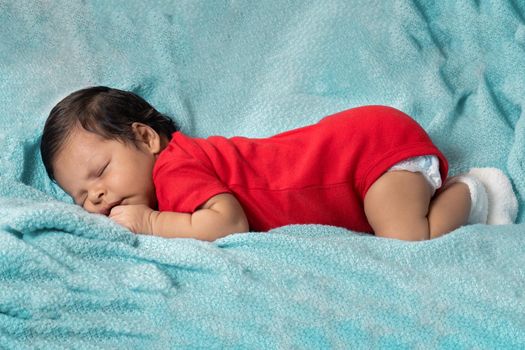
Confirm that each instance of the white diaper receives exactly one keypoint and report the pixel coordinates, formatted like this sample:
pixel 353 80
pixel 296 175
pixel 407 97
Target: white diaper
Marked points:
pixel 426 165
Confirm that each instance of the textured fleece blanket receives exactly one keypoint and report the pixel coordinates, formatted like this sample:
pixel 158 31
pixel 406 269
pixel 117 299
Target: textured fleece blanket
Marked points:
pixel 69 279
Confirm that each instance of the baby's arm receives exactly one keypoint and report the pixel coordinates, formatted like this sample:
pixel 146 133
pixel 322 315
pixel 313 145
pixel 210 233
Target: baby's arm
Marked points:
pixel 219 216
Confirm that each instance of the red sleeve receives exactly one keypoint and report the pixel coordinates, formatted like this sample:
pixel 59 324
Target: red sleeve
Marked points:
pixel 183 183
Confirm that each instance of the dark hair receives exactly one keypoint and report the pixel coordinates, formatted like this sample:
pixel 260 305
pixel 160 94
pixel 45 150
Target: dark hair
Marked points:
pixel 104 111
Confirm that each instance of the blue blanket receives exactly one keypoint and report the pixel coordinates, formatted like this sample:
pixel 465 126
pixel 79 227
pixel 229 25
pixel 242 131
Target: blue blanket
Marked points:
pixel 254 68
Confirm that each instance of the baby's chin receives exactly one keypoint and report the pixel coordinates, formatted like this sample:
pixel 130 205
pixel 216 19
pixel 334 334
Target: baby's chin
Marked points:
pixel 153 204
pixel 152 201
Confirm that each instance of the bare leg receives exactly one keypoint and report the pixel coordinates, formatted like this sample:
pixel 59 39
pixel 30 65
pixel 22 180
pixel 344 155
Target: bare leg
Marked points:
pixel 400 205
pixel 449 209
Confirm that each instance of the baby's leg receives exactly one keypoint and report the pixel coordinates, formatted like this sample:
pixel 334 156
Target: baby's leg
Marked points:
pixel 400 205
pixel 449 209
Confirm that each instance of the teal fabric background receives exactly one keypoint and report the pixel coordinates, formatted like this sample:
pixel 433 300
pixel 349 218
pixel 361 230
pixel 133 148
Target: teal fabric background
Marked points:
pixel 75 280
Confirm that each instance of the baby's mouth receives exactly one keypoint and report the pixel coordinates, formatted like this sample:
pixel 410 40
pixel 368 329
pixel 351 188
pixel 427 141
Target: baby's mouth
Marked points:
pixel 106 210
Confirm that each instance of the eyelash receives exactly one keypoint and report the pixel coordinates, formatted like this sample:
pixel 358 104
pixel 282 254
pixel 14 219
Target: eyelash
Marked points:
pixel 99 174
pixel 103 169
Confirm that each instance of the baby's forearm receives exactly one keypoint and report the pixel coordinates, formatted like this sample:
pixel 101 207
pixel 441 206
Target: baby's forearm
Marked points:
pixel 204 224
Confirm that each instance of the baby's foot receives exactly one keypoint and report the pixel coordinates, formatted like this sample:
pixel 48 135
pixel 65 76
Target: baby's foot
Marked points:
pixel 503 204
pixel 492 199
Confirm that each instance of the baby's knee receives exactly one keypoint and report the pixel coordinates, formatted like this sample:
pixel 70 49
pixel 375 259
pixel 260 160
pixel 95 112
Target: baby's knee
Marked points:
pixel 405 230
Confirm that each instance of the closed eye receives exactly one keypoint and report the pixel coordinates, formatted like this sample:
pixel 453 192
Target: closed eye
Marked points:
pixel 103 169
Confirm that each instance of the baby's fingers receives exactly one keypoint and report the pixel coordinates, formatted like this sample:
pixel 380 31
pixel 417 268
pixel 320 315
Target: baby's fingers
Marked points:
pixel 119 219
pixel 115 210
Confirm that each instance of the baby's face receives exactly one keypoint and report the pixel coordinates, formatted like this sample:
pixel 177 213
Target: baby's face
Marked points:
pixel 100 174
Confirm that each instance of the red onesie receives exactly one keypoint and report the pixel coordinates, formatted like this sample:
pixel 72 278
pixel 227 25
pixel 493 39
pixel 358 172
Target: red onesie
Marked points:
pixel 317 174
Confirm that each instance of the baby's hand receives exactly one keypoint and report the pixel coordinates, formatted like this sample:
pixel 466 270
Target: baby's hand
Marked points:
pixel 135 217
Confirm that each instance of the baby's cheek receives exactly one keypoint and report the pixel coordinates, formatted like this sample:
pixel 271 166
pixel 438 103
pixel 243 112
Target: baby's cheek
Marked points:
pixel 89 208
pixel 117 188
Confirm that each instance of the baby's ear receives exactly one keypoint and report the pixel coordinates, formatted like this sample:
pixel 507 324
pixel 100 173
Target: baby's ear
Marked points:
pixel 147 136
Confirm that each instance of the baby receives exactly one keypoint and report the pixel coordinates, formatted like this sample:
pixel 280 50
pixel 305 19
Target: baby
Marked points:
pixel 370 169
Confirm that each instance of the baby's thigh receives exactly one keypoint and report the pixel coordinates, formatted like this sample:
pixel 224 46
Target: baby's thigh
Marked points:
pixel 397 204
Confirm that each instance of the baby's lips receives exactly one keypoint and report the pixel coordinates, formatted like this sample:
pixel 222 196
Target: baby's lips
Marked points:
pixel 107 211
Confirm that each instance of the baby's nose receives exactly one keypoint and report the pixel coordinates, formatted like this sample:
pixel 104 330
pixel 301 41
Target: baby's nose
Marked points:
pixel 97 195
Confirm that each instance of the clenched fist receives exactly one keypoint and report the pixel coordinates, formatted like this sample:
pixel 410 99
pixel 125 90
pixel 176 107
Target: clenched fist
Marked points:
pixel 136 217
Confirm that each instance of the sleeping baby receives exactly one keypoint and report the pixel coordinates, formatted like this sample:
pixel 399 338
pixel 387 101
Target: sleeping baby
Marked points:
pixel 369 169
